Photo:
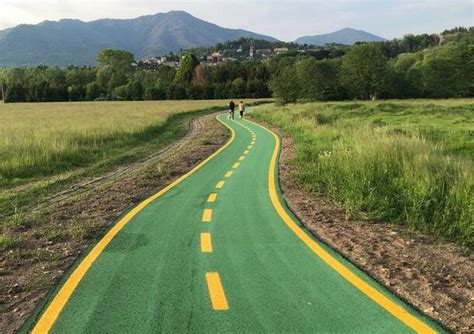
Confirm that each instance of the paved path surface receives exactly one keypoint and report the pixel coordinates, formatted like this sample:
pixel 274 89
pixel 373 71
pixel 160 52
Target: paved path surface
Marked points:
pixel 217 251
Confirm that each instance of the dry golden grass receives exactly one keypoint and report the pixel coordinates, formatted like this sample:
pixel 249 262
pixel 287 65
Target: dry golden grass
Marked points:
pixel 39 139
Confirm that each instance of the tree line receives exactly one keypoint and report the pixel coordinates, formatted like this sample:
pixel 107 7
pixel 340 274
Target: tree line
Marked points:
pixel 417 66
pixel 366 72
pixel 117 77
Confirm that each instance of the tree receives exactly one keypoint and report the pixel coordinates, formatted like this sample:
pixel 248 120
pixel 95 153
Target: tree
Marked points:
pixel 448 71
pixel 238 88
pixel 115 68
pixel 15 93
pixel 363 69
pixel 117 59
pixel 257 89
pixel 285 85
pixel 93 91
pixel 185 72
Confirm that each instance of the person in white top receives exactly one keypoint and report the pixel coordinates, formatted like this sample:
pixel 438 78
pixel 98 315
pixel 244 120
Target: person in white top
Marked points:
pixel 241 109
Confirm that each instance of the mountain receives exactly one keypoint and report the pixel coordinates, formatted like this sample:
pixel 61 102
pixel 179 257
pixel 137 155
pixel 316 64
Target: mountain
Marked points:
pixel 74 42
pixel 346 36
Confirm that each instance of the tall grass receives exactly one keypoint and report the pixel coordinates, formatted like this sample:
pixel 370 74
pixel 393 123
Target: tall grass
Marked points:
pixel 41 139
pixel 386 170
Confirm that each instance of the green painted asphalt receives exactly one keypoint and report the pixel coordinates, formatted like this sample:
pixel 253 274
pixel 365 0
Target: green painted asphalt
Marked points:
pixel 152 276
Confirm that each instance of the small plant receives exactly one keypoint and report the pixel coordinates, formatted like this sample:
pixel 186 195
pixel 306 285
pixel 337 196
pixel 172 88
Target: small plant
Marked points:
pixel 84 230
pixel 6 241
pixel 18 218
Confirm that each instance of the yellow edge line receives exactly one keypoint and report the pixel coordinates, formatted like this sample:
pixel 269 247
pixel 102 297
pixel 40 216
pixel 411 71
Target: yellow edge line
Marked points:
pixel 216 292
pixel 392 307
pixel 51 313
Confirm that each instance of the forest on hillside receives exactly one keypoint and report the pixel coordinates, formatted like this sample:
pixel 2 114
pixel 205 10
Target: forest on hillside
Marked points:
pixel 416 66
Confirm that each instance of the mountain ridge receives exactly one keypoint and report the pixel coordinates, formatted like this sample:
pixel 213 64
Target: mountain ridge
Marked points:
pixel 75 42
pixel 347 36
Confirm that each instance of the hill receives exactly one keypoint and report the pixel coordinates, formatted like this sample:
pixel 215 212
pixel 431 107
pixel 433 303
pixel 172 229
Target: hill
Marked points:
pixel 347 36
pixel 74 42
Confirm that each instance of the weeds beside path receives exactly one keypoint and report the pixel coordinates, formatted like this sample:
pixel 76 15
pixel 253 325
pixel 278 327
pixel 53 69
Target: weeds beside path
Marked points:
pixel 434 276
pixel 403 162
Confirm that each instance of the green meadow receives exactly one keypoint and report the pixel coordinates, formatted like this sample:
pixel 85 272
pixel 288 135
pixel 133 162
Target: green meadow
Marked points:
pixel 407 162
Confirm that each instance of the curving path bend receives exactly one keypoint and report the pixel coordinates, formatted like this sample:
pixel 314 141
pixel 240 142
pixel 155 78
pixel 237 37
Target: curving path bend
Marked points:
pixel 218 251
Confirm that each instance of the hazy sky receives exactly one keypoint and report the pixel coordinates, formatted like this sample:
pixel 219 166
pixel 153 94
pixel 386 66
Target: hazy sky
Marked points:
pixel 283 19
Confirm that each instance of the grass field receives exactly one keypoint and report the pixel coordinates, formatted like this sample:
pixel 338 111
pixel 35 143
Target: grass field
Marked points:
pixel 44 146
pixel 409 162
pixel 46 138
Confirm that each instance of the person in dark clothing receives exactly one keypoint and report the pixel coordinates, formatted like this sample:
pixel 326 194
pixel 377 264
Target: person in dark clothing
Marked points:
pixel 231 109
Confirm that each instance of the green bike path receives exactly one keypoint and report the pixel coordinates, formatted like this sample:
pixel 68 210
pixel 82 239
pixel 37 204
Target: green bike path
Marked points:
pixel 215 252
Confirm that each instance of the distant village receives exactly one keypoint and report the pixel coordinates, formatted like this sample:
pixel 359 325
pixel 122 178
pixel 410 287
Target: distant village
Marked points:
pixel 213 58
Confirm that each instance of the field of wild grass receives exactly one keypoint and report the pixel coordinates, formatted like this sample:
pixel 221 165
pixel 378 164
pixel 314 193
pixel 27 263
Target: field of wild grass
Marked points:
pixel 44 139
pixel 407 162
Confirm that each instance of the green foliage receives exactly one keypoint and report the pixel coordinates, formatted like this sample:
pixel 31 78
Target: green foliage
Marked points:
pixel 443 68
pixel 285 84
pixel 93 91
pixel 6 241
pixel 116 78
pixel 321 79
pixel 185 72
pixel 363 70
pixel 443 71
pixel 117 59
pixel 448 71
pixel 407 163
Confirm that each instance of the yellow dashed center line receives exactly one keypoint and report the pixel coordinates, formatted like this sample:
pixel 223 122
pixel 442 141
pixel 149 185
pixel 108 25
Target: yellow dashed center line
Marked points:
pixel 236 165
pixel 206 243
pixel 229 174
pixel 220 184
pixel 216 292
pixel 246 151
pixel 242 157
pixel 207 215
pixel 250 146
pixel 212 198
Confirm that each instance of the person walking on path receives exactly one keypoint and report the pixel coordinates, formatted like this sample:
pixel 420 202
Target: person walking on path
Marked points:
pixel 231 109
pixel 241 109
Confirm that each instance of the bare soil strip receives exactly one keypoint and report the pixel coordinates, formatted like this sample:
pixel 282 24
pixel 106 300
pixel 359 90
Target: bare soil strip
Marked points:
pixel 67 223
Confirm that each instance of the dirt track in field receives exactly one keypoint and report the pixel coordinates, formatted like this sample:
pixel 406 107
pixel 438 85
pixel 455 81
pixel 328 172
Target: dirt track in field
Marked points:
pixel 66 223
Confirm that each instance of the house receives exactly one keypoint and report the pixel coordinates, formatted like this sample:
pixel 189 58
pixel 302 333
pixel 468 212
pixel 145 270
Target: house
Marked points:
pixel 280 50
pixel 216 56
